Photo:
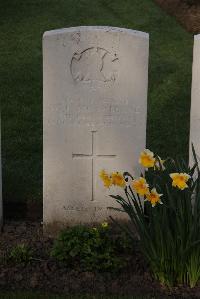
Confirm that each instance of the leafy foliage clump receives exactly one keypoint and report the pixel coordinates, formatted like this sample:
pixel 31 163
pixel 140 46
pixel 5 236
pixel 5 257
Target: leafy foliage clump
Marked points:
pixel 91 249
pixel 21 253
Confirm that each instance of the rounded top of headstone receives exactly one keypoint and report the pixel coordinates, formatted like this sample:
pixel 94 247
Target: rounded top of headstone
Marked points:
pixel 197 37
pixel 96 28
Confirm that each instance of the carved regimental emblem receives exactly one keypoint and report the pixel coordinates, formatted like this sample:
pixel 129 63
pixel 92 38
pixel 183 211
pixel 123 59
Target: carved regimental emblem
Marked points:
pixel 94 64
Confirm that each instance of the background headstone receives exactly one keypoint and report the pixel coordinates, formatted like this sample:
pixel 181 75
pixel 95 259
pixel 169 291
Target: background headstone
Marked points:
pixel 95 108
pixel 195 100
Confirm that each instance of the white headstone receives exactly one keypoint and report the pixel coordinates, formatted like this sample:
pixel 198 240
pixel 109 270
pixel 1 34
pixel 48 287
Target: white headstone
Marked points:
pixel 95 108
pixel 195 100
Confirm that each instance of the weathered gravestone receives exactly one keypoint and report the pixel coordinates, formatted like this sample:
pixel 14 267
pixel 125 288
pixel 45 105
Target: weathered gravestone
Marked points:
pixel 95 108
pixel 195 100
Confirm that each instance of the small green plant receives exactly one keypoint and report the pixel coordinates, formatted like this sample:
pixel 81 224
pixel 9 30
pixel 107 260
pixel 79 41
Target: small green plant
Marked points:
pixel 21 253
pixel 164 207
pixel 91 249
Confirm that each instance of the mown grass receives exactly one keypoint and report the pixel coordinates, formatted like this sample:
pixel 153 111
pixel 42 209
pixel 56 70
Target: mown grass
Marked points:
pixel 22 24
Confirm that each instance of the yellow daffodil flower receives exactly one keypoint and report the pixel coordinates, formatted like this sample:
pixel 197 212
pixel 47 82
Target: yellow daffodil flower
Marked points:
pixel 147 159
pixel 118 179
pixel 140 186
pixel 179 180
pixel 154 197
pixel 104 224
pixel 107 180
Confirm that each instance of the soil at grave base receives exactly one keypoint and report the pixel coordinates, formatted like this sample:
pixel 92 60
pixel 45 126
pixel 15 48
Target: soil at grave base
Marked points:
pixel 46 275
pixel 187 15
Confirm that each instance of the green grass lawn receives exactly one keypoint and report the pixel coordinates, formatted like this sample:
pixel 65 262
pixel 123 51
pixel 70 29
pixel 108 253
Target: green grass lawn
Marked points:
pixel 22 24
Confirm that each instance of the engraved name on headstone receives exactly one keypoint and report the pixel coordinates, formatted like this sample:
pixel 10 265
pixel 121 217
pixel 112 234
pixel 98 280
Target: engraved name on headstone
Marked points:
pixel 95 108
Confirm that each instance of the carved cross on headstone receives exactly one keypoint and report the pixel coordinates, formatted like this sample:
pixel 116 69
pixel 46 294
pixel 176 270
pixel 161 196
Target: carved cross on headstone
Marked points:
pixel 93 156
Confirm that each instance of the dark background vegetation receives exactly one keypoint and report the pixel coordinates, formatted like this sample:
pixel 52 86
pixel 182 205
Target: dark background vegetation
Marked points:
pixel 192 2
pixel 22 24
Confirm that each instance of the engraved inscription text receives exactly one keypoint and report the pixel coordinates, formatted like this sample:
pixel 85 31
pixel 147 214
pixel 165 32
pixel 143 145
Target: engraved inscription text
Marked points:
pixel 110 112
